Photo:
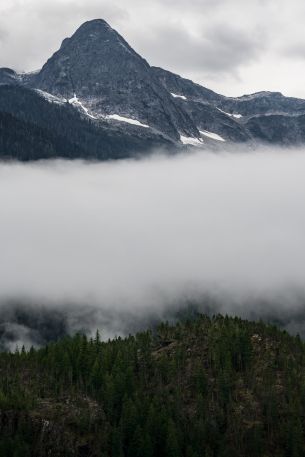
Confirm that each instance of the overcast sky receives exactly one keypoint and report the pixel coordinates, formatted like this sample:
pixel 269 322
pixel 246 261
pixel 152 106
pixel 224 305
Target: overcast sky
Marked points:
pixel 231 46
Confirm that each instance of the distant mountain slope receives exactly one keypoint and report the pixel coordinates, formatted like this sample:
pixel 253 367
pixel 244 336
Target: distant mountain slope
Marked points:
pixel 278 129
pixel 239 119
pixel 264 103
pixel 25 141
pixel 104 101
pixel 210 387
pixel 177 85
pixel 33 128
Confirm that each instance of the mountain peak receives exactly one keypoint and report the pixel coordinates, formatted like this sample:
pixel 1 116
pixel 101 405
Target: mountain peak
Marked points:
pixel 99 69
pixel 95 30
pixel 92 54
pixel 94 25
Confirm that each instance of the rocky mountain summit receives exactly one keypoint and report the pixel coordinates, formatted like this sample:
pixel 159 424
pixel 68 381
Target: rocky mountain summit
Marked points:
pixel 118 105
pixel 99 70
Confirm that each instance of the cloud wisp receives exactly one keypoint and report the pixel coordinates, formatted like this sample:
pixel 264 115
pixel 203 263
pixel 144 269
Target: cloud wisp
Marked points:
pixel 109 240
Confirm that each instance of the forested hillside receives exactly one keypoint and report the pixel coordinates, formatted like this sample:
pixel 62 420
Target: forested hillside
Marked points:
pixel 32 128
pixel 24 141
pixel 208 387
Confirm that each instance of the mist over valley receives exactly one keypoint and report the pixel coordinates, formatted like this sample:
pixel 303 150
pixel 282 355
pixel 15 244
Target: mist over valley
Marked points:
pixel 122 245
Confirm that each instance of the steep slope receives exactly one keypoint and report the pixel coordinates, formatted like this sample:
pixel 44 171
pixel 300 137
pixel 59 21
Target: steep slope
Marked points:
pixel 9 76
pixel 264 116
pixel 278 129
pixel 109 78
pixel 209 387
pixel 203 106
pixel 179 86
pixel 34 127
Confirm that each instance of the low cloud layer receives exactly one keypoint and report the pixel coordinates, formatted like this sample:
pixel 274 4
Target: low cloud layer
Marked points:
pixel 101 242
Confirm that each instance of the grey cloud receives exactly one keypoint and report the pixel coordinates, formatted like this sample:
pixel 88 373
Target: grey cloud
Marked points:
pixel 3 34
pixel 207 6
pixel 228 47
pixel 62 13
pixel 219 49
pixel 201 5
pixel 294 50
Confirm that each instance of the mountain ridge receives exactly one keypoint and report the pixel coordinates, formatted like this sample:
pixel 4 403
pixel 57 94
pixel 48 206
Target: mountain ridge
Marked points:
pixel 100 75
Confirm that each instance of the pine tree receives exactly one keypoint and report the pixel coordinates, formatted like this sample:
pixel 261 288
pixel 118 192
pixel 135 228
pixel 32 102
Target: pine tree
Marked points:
pixel 172 444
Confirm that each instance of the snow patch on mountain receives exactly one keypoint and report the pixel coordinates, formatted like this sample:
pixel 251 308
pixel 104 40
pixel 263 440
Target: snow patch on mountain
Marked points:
pixel 117 117
pixel 191 140
pixel 51 98
pixel 178 96
pixel 211 135
pixel 237 116
pixel 75 101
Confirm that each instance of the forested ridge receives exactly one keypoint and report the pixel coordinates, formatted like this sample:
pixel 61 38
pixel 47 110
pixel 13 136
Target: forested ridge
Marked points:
pixel 206 387
pixel 32 128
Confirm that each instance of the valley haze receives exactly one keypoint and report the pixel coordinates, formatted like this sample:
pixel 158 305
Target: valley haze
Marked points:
pixel 117 245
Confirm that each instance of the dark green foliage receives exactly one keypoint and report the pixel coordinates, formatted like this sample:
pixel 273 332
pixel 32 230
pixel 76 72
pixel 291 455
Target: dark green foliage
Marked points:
pixel 219 387
pixel 22 140
pixel 32 128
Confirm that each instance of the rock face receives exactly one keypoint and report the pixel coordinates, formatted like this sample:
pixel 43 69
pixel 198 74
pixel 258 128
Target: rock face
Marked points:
pixel 239 119
pixel 201 105
pixel 8 76
pixel 34 127
pixel 122 104
pixel 264 103
pixel 109 78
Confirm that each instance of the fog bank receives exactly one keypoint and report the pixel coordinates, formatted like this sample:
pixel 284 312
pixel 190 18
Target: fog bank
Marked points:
pixel 137 237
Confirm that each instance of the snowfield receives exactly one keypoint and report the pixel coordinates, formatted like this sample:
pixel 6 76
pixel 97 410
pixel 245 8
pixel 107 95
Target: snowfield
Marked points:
pixel 213 136
pixel 237 116
pixel 116 117
pixel 191 140
pixel 76 101
pixel 179 96
pixel 51 98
